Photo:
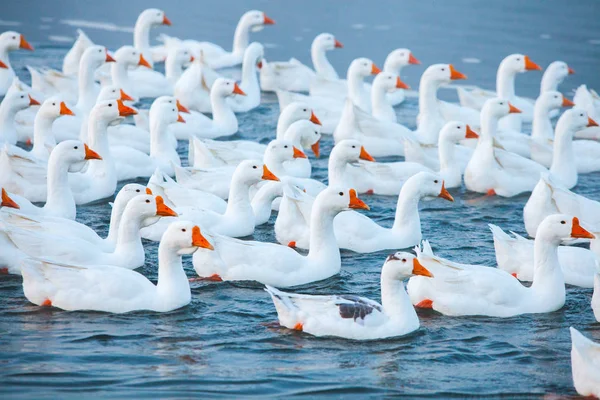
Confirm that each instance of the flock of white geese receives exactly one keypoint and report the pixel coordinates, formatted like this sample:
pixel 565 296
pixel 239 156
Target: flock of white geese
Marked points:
pixel 81 149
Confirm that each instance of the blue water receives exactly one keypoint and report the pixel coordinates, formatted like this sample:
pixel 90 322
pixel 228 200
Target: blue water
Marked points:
pixel 227 342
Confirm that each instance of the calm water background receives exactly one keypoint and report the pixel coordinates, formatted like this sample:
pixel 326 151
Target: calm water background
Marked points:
pixel 227 343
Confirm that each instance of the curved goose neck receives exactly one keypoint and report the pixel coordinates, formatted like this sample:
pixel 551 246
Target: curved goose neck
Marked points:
pixel 59 197
pixel 564 165
pixel 489 126
pixel 336 170
pixel 323 244
pixel 407 210
pixel 42 135
pixel 428 101
pixel 159 142
pixel 172 281
pixel 321 63
pixel 541 126
pixel 548 280
pixel 115 220
pixel 263 200
pixel 275 164
pixel 294 136
pixel 141 35
pixel 505 82
pixel 223 115
pixel 356 87
pixel 173 69
pixel 241 38
pixel 283 124
pixel 119 74
pixel 250 76
pixel 5 57
pixel 392 66
pixel 87 96
pixel 446 151
pixel 550 81
pixel 379 103
pixel 239 198
pixel 129 241
pixel 7 122
pixel 98 140
pixel 395 301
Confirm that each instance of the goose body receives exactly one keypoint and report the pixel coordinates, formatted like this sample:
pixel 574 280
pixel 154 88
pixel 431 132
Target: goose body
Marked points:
pixel 585 364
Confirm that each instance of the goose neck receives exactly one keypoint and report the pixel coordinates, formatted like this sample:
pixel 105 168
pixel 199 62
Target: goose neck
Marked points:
pixel 505 83
pixel 173 69
pixel 141 35
pixel 223 115
pixel 129 241
pixel 158 136
pixel 7 122
pixel 548 279
pixel 541 126
pixel 322 65
pixel 337 170
pixel 407 210
pixel 356 87
pixel 59 197
pixel 564 165
pixel 120 74
pixel 428 101
pixel 395 301
pixel 238 202
pixel 323 244
pixel 42 135
pixel 172 281
pixel 87 97
pixel 379 103
pixel 115 220
pixel 241 38
pixel 5 57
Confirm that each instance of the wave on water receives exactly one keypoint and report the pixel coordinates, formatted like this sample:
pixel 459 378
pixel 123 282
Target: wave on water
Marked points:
pixel 105 26
pixel 9 23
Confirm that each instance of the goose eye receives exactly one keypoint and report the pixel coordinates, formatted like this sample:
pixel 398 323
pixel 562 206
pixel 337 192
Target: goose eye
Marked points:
pixel 22 97
pixel 53 104
pixel 436 181
pixel 305 110
pixel 100 51
pixel 228 83
pixel 14 37
pixel 183 230
pixel 404 260
pixel 443 69
pixel 138 190
pixel 173 109
pixel 285 147
pixel 353 147
pixel 76 147
pixel 110 104
pixel 458 127
pixel 316 133
pixel 581 115
pixel 501 104
pixel 341 193
pixel 147 201
pixel 254 166
pixel 563 222
pixel 518 59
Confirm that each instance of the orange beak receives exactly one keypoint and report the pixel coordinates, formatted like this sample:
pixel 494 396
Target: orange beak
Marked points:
pixel 180 119
pixel 125 96
pixel 513 110
pixel 64 110
pixel 162 210
pixel 314 119
pixel 412 59
pixel 338 44
pixel 374 69
pixel 33 102
pixel 24 44
pixel 268 21
pixel 268 175
pixel 357 203
pixel 200 241
pixel 419 269
pixel 364 155
pixel 454 74
pixel 471 134
pixel 400 84
pixel 143 62
pixel 530 65
pixel 567 103
pixel 259 64
pixel 148 191
pixel 578 232
pixel 315 148
pixel 192 59
pixel 182 108
pixel 571 71
pixel 237 90
pixel 591 122
pixel 125 111
pixel 298 153
pixel 7 201
pixel 109 58
pixel 2 65
pixel 91 154
pixel 166 21
pixel 445 194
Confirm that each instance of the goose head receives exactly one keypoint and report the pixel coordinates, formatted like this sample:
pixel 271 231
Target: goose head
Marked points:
pixel 11 41
pixel 362 67
pixel 327 42
pixel 558 71
pixel 53 108
pixel 427 185
pixel 165 108
pixel 455 131
pixel 184 238
pixel 442 73
pixel 518 63
pixel 130 191
pixel 309 133
pixel 255 20
pixel 73 153
pixel 401 265
pixel 389 82
pixel 111 112
pixel 130 56
pixel 400 58
pixel 297 111
pixel 226 87
pixel 113 92
pixel 94 56
pixel 149 209
pixel 350 151
pixel 180 56
pixel 153 17
pixel 552 100
pixel 498 108
pixel 249 172
pixel 282 150
pixel 18 100
pixel 557 228
pixel 338 199
pixel 574 120
pixel 171 101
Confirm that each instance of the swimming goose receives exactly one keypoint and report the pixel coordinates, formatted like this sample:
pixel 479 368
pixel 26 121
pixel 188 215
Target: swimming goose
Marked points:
pixel 147 20
pixel 11 104
pixel 9 41
pixel 585 364
pixel 249 84
pixel 110 288
pixel 293 112
pixel 459 289
pixel 394 63
pixel 385 84
pixel 126 58
pixel 281 266
pixel 354 317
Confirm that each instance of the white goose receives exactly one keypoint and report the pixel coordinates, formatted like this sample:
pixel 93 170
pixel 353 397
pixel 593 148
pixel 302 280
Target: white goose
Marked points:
pixel 551 197
pixel 459 289
pixel 126 58
pixel 596 297
pixel 262 202
pixel 492 169
pixel 293 112
pixel 147 20
pixel 358 232
pixel 292 75
pixel 127 253
pixel 367 176
pixel 71 61
pixel 110 288
pixel 67 156
pixel 11 104
pixel 249 84
pixel 589 100
pixel 303 134
pixel 515 256
pixel 585 364
pixel 354 317
pixel 9 41
pixel 277 265
pixel 385 84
